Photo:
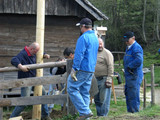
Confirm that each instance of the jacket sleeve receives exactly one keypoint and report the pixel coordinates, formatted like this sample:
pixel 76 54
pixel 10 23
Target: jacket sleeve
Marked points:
pixel 15 61
pixel 138 58
pixel 79 53
pixel 110 62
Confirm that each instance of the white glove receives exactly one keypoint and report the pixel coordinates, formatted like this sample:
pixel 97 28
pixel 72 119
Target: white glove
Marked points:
pixel 73 74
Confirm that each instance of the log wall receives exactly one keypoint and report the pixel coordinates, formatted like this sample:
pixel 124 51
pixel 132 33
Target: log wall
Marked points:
pixel 18 31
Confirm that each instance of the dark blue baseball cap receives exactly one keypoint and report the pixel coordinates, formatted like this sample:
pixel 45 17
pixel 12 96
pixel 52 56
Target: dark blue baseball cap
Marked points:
pixel 127 35
pixel 85 22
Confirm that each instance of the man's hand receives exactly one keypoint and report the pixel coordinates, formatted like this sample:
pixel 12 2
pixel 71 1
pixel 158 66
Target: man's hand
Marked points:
pixel 130 71
pixel 108 82
pixel 46 56
pixel 23 68
pixel 73 74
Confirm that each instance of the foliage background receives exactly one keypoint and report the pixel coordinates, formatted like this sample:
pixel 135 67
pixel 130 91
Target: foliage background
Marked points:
pixel 139 16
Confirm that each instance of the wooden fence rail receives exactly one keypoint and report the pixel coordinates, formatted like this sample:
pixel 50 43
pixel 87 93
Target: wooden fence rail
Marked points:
pixel 35 66
pixel 33 100
pixel 7 84
pixel 34 81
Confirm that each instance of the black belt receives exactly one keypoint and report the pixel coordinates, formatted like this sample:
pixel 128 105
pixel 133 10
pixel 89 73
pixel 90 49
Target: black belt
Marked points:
pixel 86 71
pixel 101 77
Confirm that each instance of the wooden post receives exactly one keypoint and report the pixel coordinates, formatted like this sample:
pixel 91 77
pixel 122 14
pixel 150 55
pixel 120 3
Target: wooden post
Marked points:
pixel 114 94
pixel 152 86
pixel 39 39
pixel 144 93
pixel 70 109
pixel 119 59
pixel 1 96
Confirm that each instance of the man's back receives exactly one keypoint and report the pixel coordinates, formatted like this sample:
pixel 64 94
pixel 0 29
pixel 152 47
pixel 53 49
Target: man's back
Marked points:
pixel 86 52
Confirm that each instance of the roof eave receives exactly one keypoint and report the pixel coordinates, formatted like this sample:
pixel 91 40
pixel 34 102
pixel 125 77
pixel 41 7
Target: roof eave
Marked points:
pixel 92 10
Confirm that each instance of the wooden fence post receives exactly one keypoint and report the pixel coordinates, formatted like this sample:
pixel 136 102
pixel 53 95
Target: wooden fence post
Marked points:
pixel 70 109
pixel 1 96
pixel 152 86
pixel 40 25
pixel 144 92
pixel 119 59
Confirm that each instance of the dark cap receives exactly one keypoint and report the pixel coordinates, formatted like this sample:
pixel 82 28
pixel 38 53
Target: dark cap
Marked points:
pixel 85 21
pixel 128 35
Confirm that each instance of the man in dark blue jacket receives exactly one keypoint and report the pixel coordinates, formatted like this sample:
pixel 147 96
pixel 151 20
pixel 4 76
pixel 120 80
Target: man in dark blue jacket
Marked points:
pixel 25 57
pixel 133 64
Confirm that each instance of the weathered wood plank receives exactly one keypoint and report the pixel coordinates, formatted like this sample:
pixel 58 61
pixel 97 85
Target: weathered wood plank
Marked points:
pixel 50 6
pixel 33 100
pixel 16 118
pixel 70 109
pixel 15 35
pixel 1 6
pixel 8 6
pixel 152 86
pixel 6 84
pixel 35 66
pixel 1 97
pixel 18 6
pixel 53 7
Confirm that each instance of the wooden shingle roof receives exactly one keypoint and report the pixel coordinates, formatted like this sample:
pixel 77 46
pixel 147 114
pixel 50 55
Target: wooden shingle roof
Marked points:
pixel 80 8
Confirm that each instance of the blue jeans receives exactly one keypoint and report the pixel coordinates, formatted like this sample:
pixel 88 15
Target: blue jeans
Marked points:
pixel 102 98
pixel 79 91
pixel 25 92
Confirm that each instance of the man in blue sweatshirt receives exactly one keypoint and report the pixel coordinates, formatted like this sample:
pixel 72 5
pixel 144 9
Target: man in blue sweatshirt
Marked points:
pixel 84 62
pixel 25 57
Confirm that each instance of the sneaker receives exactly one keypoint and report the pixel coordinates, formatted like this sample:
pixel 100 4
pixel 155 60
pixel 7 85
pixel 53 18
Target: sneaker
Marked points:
pixel 46 118
pixel 85 116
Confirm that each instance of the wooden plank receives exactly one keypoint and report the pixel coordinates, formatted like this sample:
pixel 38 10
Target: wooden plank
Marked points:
pixel 6 84
pixel 34 100
pixel 50 7
pixel 28 6
pixel 152 86
pixel 35 66
pixel 1 6
pixel 18 6
pixel 144 93
pixel 61 7
pixel 34 7
pixel 1 97
pixel 89 10
pixel 16 118
pixel 70 109
pixel 114 94
pixel 8 6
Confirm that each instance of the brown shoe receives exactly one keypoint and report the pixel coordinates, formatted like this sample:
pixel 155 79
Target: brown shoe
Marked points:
pixel 85 116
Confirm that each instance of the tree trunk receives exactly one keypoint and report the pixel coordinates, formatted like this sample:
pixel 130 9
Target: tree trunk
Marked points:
pixel 143 22
pixel 157 23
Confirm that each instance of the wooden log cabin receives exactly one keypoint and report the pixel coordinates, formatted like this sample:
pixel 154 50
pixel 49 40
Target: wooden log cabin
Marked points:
pixel 18 25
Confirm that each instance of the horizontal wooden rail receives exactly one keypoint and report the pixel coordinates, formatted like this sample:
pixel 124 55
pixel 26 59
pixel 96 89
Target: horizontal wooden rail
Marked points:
pixel 34 100
pixel 35 66
pixel 6 84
